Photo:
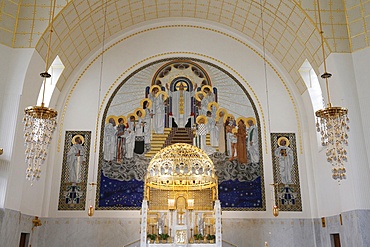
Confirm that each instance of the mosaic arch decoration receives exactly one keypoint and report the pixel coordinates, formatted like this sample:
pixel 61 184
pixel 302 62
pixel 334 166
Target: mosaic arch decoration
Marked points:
pixel 180 100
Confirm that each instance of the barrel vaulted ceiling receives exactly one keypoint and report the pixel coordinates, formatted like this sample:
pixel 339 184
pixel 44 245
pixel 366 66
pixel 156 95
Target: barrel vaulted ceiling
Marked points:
pixel 290 26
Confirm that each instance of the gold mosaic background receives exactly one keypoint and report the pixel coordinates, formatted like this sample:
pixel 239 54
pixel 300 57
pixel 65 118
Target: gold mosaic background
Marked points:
pixel 158 199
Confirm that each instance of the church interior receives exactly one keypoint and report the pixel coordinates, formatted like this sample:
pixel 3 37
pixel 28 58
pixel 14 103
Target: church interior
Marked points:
pixel 184 123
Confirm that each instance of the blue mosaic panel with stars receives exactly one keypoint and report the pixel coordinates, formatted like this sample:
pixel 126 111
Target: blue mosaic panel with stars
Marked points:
pixel 236 194
pixel 120 194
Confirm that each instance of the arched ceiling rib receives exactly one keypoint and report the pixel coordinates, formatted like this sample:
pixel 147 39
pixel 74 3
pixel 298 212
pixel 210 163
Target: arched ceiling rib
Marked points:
pixel 289 26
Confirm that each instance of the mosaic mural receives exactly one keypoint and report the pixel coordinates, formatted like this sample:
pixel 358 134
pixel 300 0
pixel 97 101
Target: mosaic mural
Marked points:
pixel 75 166
pixel 285 168
pixel 180 100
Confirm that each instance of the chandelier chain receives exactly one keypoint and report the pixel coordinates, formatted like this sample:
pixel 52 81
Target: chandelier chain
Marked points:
pixel 326 75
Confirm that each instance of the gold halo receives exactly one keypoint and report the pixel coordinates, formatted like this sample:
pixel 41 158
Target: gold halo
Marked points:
pixel 74 139
pixel 111 116
pixel 234 130
pixel 130 115
pixel 241 118
pixel 165 95
pixel 207 86
pixel 250 118
pixel 181 83
pixel 283 138
pixel 228 115
pixel 197 95
pixel 149 102
pixel 124 119
pixel 210 104
pixel 219 110
pixel 143 113
pixel 201 117
pixel 155 86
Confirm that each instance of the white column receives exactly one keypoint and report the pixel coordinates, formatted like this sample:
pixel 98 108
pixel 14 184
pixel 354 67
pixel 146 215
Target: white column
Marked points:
pixel 144 221
pixel 218 226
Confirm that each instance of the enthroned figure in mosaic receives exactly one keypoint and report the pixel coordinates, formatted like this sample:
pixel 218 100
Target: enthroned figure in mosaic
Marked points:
pixel 181 94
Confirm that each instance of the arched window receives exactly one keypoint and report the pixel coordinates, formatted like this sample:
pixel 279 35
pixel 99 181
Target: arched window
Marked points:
pixel 313 87
pixel 55 70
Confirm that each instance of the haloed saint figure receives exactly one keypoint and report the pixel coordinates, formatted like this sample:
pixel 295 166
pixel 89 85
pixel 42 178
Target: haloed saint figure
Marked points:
pixel 76 159
pixel 74 171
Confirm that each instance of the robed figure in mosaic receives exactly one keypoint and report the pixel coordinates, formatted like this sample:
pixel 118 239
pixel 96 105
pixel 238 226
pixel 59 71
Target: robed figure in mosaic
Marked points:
pixel 73 180
pixel 285 156
pixel 147 104
pixel 221 130
pixel 241 142
pixel 110 138
pixel 181 103
pixel 252 141
pixel 158 109
pixel 75 159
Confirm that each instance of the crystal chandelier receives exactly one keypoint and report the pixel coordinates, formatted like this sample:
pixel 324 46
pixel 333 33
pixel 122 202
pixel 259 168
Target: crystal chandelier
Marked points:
pixel 39 124
pixel 332 124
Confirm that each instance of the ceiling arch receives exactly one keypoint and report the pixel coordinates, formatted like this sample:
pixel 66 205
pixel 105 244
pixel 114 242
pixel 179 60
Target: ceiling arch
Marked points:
pixel 290 35
pixel 290 29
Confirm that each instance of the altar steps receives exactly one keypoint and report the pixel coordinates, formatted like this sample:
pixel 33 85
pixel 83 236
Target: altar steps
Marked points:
pixel 181 135
pixel 157 142
pixel 172 136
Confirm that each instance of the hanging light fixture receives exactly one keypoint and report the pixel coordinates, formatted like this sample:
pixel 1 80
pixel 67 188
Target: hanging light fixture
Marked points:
pixel 39 122
pixel 332 124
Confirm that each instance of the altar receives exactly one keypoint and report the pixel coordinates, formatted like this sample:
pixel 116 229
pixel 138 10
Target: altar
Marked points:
pixel 181 206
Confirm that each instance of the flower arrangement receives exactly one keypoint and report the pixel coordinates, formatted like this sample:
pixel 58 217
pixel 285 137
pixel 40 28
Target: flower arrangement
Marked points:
pixel 164 236
pixel 198 236
pixel 152 237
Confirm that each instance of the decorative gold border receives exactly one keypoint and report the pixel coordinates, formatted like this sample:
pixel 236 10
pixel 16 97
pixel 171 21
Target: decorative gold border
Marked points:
pixel 208 79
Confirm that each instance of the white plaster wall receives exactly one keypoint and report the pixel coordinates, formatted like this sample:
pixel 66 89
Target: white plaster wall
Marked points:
pixel 6 137
pixel 362 78
pixel 17 71
pixel 148 46
pixel 333 197
pixel 353 192
pixel 29 198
